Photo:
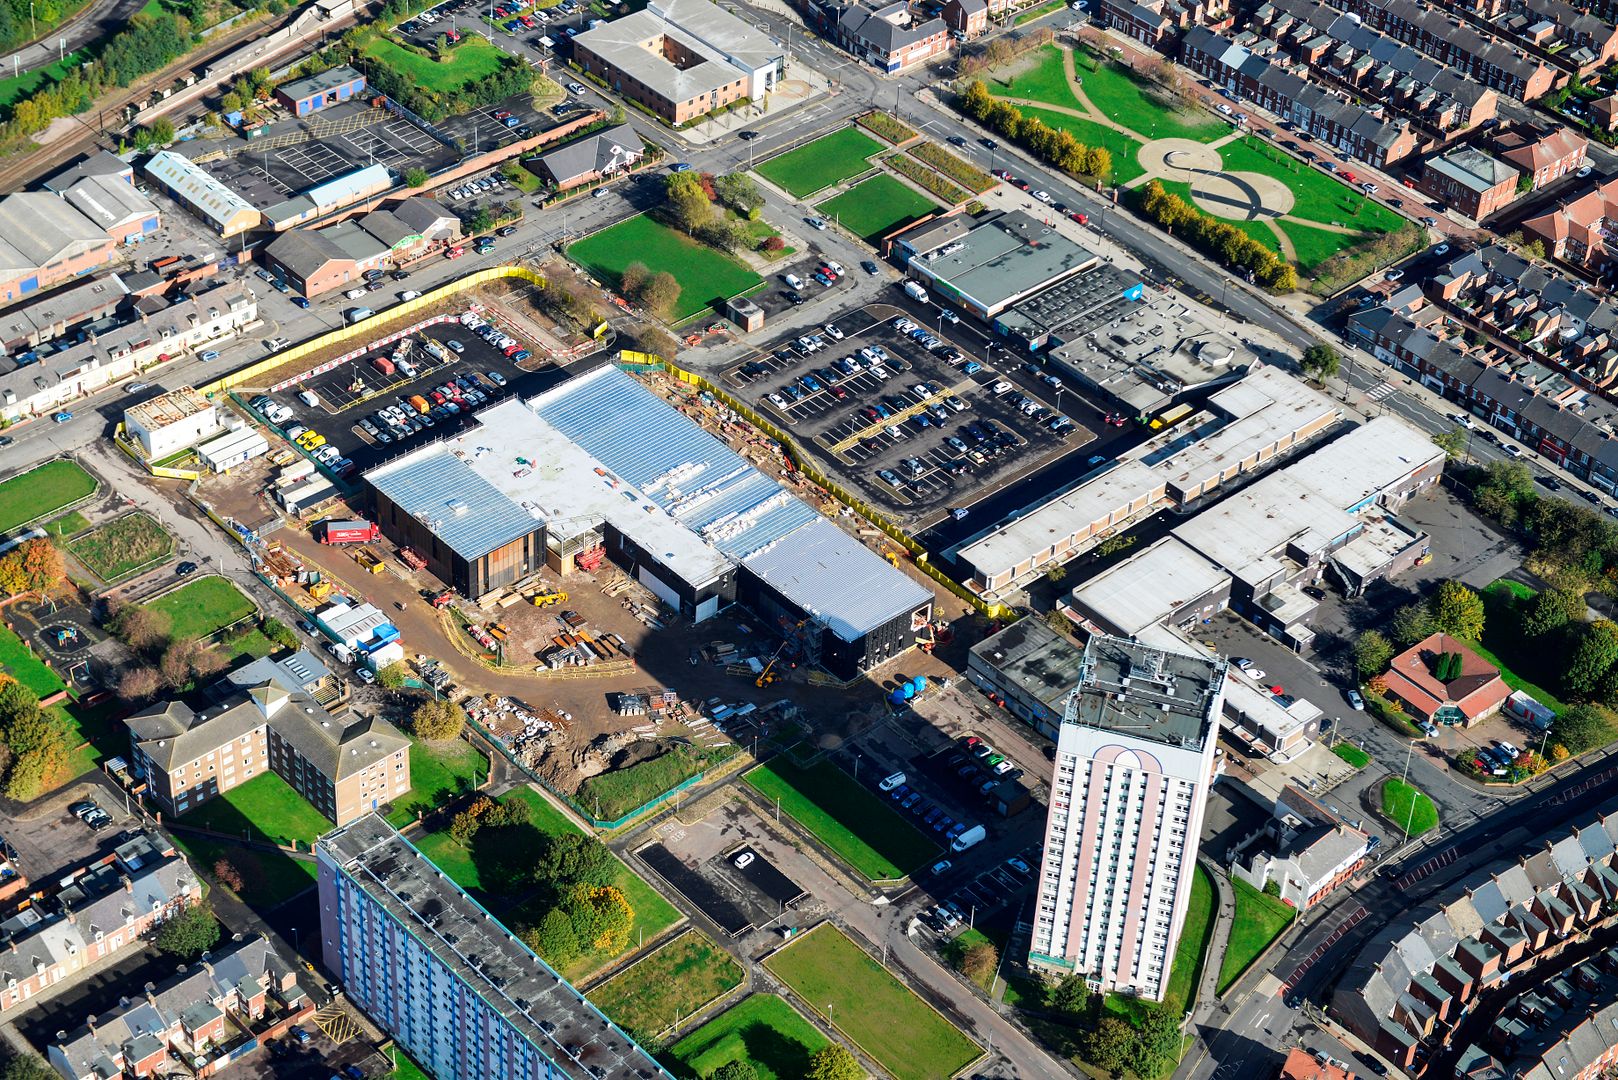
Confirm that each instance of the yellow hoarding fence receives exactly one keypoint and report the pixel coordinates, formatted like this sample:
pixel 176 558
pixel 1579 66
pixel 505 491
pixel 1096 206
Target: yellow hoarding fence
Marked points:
pixel 366 330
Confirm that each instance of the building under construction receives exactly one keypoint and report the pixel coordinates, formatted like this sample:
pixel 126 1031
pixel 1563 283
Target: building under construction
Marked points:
pixel 602 464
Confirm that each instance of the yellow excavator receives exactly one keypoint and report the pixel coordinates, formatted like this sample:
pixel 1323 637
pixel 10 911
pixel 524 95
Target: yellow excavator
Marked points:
pixel 549 599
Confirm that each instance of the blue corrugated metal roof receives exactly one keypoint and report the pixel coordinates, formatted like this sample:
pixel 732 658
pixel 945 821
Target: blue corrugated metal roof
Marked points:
pixel 700 481
pixel 354 185
pixel 462 509
pixel 829 573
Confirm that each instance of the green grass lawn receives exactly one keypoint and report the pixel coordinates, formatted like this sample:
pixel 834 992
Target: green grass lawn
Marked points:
pixel 266 809
pixel 69 524
pixel 707 277
pixel 122 546
pixel 1259 920
pixel 763 1030
pixel 22 85
pixel 902 1033
pixel 1315 246
pixel 661 989
pixel 1258 230
pixel 95 732
pixel 869 835
pixel 1319 196
pixel 405 1069
pixel 1124 150
pixel 438 773
pixel 1352 754
pixel 41 490
pixel 820 164
pixel 251 645
pixel 1142 109
pixel 202 607
pixel 1503 602
pixel 876 206
pixel 473 59
pixel 1404 804
pixel 1189 954
pixel 25 667
pixel 269 878
pixel 653 914
pixel 1044 80
pixel 1039 12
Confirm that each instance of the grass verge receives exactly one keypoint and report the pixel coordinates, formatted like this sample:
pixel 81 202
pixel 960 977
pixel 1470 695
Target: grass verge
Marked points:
pixel 1352 754
pixel 1407 807
pixel 1259 920
pixel 473 59
pixel 900 1032
pixel 611 795
pixel 848 819
pixel 264 809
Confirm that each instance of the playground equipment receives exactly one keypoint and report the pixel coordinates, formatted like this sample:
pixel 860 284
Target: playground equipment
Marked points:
pixel 66 635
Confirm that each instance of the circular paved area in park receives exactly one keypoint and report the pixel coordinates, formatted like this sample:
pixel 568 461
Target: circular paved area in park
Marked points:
pixel 1243 196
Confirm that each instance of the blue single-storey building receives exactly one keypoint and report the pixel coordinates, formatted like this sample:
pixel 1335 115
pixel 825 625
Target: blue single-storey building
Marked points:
pixel 308 96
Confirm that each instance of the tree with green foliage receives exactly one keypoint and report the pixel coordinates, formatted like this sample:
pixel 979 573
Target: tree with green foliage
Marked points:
pixel 1372 651
pixel 38 743
pixel 1453 442
pixel 1320 361
pixel 189 934
pixel 1581 728
pixel 567 858
pixel 633 279
pixel 1457 611
pixel 1506 488
pixel 554 938
pixel 416 177
pixel 279 633
pixel 689 208
pixel 738 191
pixel 602 916
pixel 438 720
pixel 1552 609
pixel 1107 1045
pixel 392 677
pixel 481 221
pixel 660 293
pixel 1594 654
pixel 834 1062
pixel 26 1066
pixel 1410 624
pixel 1157 1042
pixel 740 1069
pixel 1071 995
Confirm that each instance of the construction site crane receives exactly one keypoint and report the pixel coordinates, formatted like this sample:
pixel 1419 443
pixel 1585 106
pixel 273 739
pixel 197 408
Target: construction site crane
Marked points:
pixel 768 676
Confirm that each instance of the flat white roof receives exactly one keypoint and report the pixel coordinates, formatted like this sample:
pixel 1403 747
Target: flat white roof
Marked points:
pixel 1148 588
pixel 1265 406
pixel 1105 499
pixel 1247 532
pixel 1372 458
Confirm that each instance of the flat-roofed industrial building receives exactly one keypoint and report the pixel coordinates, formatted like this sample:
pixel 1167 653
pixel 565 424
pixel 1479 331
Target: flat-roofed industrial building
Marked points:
pixel 601 465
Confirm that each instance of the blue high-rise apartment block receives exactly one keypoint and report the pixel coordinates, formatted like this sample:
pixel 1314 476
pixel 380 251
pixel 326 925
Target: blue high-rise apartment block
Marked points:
pixel 456 989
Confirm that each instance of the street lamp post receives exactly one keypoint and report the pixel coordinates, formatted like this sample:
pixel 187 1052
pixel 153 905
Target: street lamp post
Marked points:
pixel 1410 792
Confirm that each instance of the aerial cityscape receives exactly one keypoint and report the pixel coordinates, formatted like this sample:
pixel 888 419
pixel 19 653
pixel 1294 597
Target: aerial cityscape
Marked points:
pixel 808 539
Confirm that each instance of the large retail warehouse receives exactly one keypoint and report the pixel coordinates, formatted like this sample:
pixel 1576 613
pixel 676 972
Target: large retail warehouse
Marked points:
pixel 603 462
